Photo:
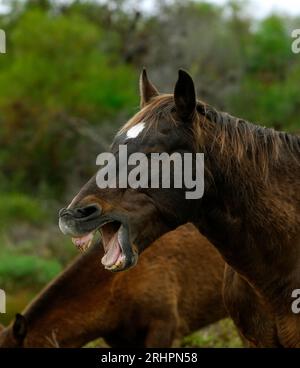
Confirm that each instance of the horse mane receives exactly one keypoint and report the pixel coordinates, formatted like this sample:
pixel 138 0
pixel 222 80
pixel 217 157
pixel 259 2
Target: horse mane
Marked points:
pixel 236 138
pixel 242 140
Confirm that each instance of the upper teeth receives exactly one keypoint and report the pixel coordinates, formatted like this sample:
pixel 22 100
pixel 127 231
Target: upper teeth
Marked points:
pixel 83 244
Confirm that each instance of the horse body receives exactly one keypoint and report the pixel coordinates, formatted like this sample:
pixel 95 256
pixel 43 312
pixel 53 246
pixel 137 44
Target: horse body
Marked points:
pixel 250 210
pixel 256 226
pixel 161 300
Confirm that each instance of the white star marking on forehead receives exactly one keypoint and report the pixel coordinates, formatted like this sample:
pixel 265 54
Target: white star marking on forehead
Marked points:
pixel 134 131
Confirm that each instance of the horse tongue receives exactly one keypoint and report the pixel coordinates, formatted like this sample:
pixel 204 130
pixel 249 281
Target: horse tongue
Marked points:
pixel 113 252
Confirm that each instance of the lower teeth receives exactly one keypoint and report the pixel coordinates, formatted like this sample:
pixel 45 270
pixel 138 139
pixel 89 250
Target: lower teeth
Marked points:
pixel 115 266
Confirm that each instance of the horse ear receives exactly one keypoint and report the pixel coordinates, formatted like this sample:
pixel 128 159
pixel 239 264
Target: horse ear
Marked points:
pixel 20 328
pixel 147 89
pixel 185 96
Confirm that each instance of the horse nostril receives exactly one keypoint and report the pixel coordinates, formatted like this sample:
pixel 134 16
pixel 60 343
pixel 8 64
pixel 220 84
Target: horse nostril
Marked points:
pixel 91 210
pixel 80 212
pixel 87 211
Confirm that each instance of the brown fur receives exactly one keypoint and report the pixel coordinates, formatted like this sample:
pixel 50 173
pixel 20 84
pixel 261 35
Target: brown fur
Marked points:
pixel 174 290
pixel 250 210
pixel 260 165
pixel 262 208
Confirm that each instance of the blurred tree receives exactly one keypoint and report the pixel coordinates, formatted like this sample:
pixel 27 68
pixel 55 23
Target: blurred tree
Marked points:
pixel 39 4
pixel 202 38
pixel 56 67
pixel 70 76
pixel 268 91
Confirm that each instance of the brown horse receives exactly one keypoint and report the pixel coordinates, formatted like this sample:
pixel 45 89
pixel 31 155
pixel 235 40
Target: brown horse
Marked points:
pixel 168 295
pixel 250 209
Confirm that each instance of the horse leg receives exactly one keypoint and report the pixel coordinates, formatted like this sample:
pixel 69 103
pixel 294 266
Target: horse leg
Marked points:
pixel 161 333
pixel 254 321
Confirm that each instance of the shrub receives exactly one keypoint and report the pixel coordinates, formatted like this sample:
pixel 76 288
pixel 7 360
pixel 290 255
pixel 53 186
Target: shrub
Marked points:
pixel 16 207
pixel 17 271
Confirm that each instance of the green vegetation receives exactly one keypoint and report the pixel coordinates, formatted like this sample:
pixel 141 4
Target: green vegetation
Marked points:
pixel 31 252
pixel 16 207
pixel 26 270
pixel 222 334
pixel 71 73
pixel 219 335
pixel 56 69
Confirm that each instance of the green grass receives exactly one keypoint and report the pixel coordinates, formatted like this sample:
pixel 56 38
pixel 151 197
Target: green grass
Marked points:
pixel 222 334
pixel 219 335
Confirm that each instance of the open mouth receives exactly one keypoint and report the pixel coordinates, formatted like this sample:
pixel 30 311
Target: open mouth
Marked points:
pixel 83 223
pixel 114 258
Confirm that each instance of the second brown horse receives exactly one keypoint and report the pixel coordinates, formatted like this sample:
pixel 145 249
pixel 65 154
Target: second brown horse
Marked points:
pixel 174 290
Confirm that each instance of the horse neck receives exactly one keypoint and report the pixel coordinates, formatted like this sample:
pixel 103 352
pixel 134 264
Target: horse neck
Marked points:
pixel 246 210
pixel 74 309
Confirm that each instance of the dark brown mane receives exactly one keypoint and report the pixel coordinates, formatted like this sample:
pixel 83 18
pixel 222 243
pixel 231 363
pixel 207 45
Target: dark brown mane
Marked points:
pixel 235 138
pixel 243 140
